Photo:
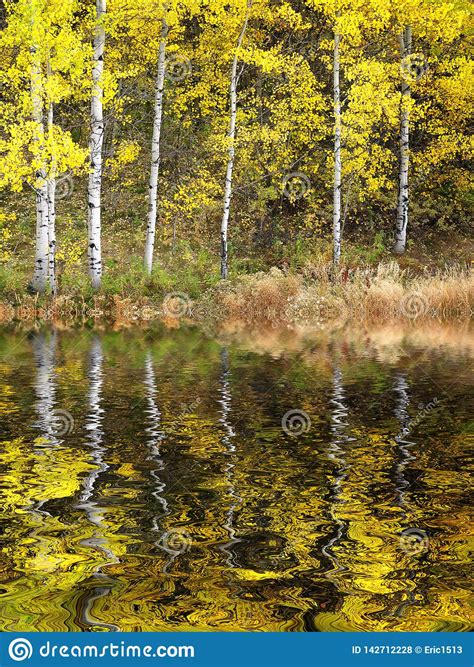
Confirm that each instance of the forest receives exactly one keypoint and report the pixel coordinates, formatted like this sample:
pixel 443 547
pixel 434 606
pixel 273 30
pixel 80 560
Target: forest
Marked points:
pixel 235 298
pixel 151 148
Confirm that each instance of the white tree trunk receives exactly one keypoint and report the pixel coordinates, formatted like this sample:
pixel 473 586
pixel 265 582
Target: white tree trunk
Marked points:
pixel 235 500
pixel 337 454
pixel 401 390
pixel 156 437
pixel 94 428
pixel 337 155
pixel 231 149
pixel 40 274
pixel 51 212
pixel 403 191
pixel 95 146
pixel 155 150
pixel 45 384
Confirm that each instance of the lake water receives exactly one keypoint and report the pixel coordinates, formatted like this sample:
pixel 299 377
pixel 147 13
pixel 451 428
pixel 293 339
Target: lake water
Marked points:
pixel 172 480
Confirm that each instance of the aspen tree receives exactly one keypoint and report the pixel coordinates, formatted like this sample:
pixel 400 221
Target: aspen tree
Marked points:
pixel 40 274
pixel 155 149
pixel 234 80
pixel 52 205
pixel 337 150
pixel 403 191
pixel 95 147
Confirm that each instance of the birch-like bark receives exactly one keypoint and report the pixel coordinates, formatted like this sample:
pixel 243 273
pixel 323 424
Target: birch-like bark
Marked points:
pixel 95 431
pixel 95 146
pixel 45 384
pixel 403 189
pixel 337 454
pixel 235 500
pixel 401 390
pixel 40 274
pixel 231 150
pixel 337 154
pixel 155 150
pixel 51 211
pixel 155 437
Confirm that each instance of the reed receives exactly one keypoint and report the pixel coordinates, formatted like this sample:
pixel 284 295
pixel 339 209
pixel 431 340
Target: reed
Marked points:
pixel 313 297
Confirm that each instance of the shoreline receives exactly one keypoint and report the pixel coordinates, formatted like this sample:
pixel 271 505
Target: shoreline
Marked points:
pixel 272 298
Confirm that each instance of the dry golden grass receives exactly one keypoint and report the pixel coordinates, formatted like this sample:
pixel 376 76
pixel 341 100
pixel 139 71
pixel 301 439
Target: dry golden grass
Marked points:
pixel 315 297
pixel 388 342
pixel 367 295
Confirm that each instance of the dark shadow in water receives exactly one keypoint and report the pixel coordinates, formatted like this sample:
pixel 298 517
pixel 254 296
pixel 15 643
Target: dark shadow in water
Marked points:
pixel 404 444
pixel 285 533
pixel 225 401
pixel 100 584
pixel 44 349
pixel 336 453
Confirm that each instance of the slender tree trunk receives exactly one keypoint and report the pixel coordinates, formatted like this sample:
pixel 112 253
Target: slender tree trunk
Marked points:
pixel 337 454
pixel 95 146
pixel 401 390
pixel 95 431
pixel 45 385
pixel 40 274
pixel 52 211
pixel 155 437
pixel 337 154
pixel 231 150
pixel 225 400
pixel 403 191
pixel 155 150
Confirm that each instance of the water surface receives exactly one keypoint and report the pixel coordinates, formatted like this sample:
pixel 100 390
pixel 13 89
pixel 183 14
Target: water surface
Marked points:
pixel 147 482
